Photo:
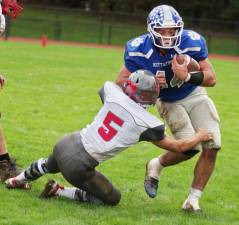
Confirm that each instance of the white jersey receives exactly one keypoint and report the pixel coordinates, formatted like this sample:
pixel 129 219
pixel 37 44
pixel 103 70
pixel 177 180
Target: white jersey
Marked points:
pixel 119 124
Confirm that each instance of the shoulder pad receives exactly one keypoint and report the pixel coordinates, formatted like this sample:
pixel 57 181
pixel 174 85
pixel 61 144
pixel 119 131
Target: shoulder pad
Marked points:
pixel 138 44
pixel 193 44
pixel 191 38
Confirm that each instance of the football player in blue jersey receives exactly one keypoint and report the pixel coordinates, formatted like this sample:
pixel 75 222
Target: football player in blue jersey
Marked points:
pixel 8 166
pixel 183 102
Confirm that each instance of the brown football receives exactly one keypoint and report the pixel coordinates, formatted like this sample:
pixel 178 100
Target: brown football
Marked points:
pixel 193 65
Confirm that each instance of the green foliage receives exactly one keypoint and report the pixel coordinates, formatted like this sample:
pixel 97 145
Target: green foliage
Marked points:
pixel 52 91
pixel 210 9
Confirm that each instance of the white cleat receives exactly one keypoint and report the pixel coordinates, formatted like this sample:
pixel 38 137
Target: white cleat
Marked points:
pixel 191 206
pixel 13 183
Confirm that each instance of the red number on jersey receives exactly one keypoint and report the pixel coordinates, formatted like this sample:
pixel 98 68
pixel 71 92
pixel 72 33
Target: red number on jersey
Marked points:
pixel 108 132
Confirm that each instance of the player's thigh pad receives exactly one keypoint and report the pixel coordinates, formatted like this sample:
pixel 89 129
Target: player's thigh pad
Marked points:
pixel 72 159
pixel 78 168
pixel 204 115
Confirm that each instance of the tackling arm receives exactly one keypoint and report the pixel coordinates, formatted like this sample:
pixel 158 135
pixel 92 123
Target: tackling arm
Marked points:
pixel 123 76
pixel 184 144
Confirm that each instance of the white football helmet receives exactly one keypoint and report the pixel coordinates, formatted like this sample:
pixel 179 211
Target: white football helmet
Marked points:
pixel 165 16
pixel 142 87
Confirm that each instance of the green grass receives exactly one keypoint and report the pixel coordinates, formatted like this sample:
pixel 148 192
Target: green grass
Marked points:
pixel 52 91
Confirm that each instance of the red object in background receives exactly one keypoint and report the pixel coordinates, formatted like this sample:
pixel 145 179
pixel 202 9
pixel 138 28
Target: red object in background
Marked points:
pixel 43 40
pixel 11 8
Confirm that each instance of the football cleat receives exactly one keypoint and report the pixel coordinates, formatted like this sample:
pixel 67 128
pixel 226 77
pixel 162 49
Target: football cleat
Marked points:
pixel 151 186
pixel 8 169
pixel 191 206
pixel 51 187
pixel 13 183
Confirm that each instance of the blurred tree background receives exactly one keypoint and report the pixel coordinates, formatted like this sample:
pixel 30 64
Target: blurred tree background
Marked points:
pixel 113 22
pixel 199 9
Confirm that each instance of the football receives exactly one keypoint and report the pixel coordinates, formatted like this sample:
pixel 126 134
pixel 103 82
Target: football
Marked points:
pixel 193 65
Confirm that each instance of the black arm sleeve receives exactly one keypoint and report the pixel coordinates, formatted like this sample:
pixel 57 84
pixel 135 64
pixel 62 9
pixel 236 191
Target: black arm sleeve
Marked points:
pixel 102 94
pixel 153 134
pixel 196 78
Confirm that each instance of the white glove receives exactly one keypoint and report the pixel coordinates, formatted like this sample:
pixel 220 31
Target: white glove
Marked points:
pixel 2 24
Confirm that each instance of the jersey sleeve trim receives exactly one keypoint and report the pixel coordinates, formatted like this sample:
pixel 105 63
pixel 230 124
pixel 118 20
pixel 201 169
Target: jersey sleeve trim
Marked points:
pixel 192 49
pixel 101 93
pixel 140 54
pixel 153 134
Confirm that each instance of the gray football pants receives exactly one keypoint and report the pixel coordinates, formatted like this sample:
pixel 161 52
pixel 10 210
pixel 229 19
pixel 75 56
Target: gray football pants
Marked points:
pixel 78 168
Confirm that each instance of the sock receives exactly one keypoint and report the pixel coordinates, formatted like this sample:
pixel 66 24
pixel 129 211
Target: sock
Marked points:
pixel 36 170
pixel 77 194
pixel 5 157
pixel 193 198
pixel 154 168
pixel 21 177
pixel 83 196
pixel 67 192
pixel 195 193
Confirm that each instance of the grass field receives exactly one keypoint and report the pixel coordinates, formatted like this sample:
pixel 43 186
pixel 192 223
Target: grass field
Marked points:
pixel 51 91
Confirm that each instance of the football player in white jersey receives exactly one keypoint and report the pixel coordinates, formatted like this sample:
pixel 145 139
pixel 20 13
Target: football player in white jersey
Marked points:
pixel 183 101
pixel 8 167
pixel 120 123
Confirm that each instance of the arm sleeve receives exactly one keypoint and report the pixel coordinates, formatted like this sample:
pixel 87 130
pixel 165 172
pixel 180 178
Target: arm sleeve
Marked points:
pixel 129 62
pixel 153 134
pixel 101 93
pixel 203 53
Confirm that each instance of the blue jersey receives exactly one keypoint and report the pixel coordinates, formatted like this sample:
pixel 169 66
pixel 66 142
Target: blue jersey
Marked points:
pixel 140 53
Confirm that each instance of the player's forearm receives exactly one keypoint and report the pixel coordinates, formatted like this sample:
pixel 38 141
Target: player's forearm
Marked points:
pixel 188 143
pixel 180 145
pixel 123 76
pixel 209 79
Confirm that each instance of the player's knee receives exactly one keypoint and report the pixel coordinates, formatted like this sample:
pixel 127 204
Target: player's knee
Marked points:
pixel 113 198
pixel 51 164
pixel 190 153
pixel 60 145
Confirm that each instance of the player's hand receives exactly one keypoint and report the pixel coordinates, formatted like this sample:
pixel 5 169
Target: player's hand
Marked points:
pixel 204 134
pixel 2 81
pixel 180 70
pixel 161 80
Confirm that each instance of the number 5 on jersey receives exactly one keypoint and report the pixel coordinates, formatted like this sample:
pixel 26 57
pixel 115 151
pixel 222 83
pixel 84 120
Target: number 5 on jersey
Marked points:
pixel 106 131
